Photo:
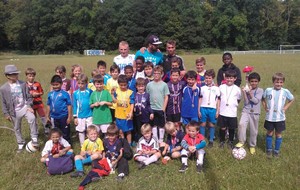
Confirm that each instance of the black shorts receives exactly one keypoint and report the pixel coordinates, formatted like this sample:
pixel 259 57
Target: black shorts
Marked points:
pixel 278 126
pixel 227 122
pixel 159 118
pixel 174 117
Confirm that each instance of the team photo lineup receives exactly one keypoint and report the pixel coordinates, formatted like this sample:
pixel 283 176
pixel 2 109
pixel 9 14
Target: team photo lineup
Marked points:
pixel 145 107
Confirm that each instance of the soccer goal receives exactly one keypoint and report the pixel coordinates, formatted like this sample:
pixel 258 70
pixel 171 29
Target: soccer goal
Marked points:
pixel 289 49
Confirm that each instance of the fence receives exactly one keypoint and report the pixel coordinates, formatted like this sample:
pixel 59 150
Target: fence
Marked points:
pixel 295 51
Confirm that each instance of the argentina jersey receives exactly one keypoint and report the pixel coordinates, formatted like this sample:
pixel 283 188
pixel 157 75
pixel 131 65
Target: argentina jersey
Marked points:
pixel 275 102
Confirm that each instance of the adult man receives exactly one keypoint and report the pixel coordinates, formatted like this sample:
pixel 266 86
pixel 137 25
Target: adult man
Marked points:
pixel 151 54
pixel 124 58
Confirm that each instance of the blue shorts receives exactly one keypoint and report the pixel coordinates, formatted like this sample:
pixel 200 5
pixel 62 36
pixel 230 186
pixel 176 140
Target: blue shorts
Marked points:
pixel 124 124
pixel 208 114
pixel 186 120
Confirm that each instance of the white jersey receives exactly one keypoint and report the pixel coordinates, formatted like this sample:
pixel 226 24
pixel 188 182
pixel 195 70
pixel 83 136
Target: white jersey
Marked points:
pixel 209 95
pixel 143 144
pixel 230 95
pixel 49 145
pixel 122 62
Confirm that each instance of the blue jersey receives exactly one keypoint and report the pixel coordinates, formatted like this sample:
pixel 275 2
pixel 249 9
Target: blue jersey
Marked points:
pixel 275 101
pixel 58 102
pixel 106 77
pixel 190 102
pixel 131 85
pixel 156 57
pixel 81 103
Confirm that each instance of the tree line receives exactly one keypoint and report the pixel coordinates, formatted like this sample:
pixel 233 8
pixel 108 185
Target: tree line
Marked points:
pixel 62 25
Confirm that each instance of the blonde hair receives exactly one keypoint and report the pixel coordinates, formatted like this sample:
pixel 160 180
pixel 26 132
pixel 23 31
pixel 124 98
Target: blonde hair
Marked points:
pixel 146 128
pixel 91 128
pixel 122 43
pixel 83 78
pixel 73 68
pixel 170 127
pixel 95 72
pixel 158 68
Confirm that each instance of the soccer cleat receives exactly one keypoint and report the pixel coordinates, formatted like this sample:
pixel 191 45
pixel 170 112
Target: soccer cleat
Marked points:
pixel 222 144
pixel 210 144
pixel 269 154
pixel 183 168
pixel 252 150
pixel 199 168
pixel 81 188
pixel 141 165
pixel 230 145
pixel 239 145
pixel 276 154
pixel 77 174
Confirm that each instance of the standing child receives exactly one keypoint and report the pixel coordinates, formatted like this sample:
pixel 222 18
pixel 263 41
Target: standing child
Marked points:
pixel 175 64
pixel 91 83
pixel 193 142
pixel 147 150
pixel 56 146
pixel 209 105
pixel 139 64
pixel 36 90
pixel 66 83
pixel 250 113
pixel 75 72
pixel 228 65
pixel 100 101
pixel 112 84
pixel 59 107
pixel 274 103
pixel 16 104
pixel 230 97
pixel 101 66
pixel 124 98
pixel 90 150
pixel 129 76
pixel 82 113
pixel 200 68
pixel 190 106
pixel 148 70
pixel 159 94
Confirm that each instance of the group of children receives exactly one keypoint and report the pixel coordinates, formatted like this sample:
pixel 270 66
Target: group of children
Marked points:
pixel 142 106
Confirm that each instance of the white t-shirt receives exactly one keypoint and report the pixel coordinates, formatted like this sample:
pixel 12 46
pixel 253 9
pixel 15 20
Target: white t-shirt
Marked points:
pixel 229 100
pixel 17 95
pixel 209 96
pixel 49 145
pixel 140 75
pixel 124 61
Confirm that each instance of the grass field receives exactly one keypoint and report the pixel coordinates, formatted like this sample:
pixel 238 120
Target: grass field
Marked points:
pixel 24 171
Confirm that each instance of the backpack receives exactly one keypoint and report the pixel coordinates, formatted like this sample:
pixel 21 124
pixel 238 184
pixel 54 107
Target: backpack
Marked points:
pixel 60 165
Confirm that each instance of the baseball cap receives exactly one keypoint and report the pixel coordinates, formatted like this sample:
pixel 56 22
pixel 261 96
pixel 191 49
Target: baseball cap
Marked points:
pixel 152 39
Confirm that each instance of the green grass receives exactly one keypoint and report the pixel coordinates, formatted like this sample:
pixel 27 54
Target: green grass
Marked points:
pixel 24 171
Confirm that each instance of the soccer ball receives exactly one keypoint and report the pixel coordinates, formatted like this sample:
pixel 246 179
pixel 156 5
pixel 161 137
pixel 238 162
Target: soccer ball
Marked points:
pixel 30 148
pixel 239 153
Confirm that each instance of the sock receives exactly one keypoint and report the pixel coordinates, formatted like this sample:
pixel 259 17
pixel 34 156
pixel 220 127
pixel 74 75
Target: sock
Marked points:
pixel 79 165
pixel 87 160
pixel 69 153
pixel 200 159
pixel 44 121
pixel 161 134
pixel 222 135
pixel 154 132
pixel 184 159
pixel 202 130
pixel 20 146
pixel 140 158
pixel 278 142
pixel 150 160
pixel 269 140
pixel 81 136
pixel 211 134
pixel 231 134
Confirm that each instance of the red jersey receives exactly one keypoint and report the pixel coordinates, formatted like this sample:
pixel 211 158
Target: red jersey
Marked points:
pixel 37 88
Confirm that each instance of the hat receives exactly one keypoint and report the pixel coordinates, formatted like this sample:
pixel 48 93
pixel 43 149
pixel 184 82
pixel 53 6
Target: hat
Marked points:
pixel 11 69
pixel 154 40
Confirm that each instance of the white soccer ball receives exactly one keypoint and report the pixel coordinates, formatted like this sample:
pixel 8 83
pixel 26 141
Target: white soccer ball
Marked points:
pixel 239 153
pixel 30 148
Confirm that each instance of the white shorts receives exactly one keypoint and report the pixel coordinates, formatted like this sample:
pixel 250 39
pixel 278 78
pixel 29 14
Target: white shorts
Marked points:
pixel 83 123
pixel 102 127
pixel 188 153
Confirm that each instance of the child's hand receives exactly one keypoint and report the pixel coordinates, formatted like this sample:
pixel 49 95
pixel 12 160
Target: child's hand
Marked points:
pixel 68 121
pixel 101 103
pixel 217 113
pixel 147 152
pixel 129 116
pixel 151 116
pixel 76 121
pixel 35 94
pixel 8 118
pixel 30 110
pixel 192 149
pixel 199 114
pixel 61 152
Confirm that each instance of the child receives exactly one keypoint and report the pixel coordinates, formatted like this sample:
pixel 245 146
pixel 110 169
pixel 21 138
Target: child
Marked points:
pixel 230 97
pixel 142 110
pixel 250 113
pixel 175 86
pixel 193 142
pixel 159 94
pixel 66 83
pixel 275 106
pixel 175 64
pixel 91 83
pixel 200 64
pixel 209 105
pixel 129 76
pixel 124 98
pixel 75 72
pixel 56 146
pixel 148 70
pixel 112 84
pixel 101 66
pixel 100 101
pixel 113 148
pixel 59 107
pixel 36 90
pixel 172 148
pixel 139 64
pixel 82 113
pixel 90 150
pixel 16 104
pixel 147 150
pixel 228 65
pixel 190 106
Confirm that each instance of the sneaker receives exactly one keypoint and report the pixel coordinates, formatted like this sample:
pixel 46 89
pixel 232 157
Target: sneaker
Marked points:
pixel 81 188
pixel 230 145
pixel 210 144
pixel 77 174
pixel 141 165
pixel 276 154
pixel 120 177
pixel 222 144
pixel 183 168
pixel 20 150
pixel 199 168
pixel 239 145
pixel 252 150
pixel 269 154
pixel 35 142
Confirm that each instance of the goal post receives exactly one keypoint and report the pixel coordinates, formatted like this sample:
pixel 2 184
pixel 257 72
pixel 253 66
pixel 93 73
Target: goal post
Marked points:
pixel 282 48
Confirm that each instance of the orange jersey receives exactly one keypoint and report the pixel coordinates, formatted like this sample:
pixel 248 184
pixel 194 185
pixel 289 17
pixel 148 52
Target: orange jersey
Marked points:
pixel 36 87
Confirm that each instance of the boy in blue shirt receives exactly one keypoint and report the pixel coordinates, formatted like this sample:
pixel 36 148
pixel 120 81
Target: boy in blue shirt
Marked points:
pixel 274 103
pixel 59 107
pixel 101 66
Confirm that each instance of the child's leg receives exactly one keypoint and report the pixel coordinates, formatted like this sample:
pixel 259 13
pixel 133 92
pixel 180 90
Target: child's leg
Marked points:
pixel 62 125
pixel 175 154
pixel 89 178
pixel 184 156
pixel 200 156
pixel 155 132
pixel 242 129
pixel 32 124
pixel 254 119
pixel 211 132
pixel 17 127
pixel 152 158
pixel 140 158
pixel 161 134
pixel 80 128
pixel 278 142
pixel 41 113
pixel 123 166
pixel 269 139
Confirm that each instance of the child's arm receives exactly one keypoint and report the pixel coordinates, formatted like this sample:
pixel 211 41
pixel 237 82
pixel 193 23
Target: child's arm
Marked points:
pixel 105 103
pixel 69 114
pixel 5 108
pixel 245 95
pixel 199 105
pixel 186 146
pixel 218 107
pixel 201 145
pixel 165 102
pixel 264 103
pixel 47 113
pixel 288 104
pixel 64 151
